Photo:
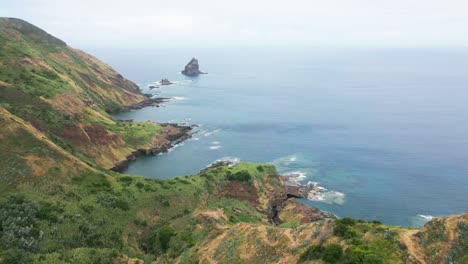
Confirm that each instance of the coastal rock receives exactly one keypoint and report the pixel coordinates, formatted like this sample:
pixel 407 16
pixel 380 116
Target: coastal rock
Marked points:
pixel 192 68
pixel 149 101
pixel 165 82
pixel 230 162
pixel 151 87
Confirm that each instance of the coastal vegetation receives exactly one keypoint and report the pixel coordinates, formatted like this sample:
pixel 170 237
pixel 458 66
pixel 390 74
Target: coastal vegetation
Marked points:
pixel 60 203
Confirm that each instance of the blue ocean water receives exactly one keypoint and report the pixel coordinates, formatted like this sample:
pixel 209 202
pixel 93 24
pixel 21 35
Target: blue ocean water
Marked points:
pixel 384 131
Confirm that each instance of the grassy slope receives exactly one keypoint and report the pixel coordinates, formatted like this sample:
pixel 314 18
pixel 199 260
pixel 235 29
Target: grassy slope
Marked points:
pixel 59 205
pixel 66 94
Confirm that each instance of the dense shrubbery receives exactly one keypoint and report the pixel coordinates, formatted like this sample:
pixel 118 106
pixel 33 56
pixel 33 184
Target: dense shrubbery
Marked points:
pixel 19 227
pixel 19 222
pixel 112 201
pixel 345 228
pixel 313 252
pixel 242 176
pixel 331 253
pixel 158 242
pixel 362 254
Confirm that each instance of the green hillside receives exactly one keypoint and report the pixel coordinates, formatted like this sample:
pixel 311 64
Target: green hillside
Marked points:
pixel 60 203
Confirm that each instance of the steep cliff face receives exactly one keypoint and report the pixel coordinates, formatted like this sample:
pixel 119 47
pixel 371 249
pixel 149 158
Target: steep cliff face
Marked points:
pixel 66 94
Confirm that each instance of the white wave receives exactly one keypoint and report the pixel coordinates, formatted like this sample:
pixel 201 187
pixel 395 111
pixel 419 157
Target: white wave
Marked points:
pixel 295 176
pixel 285 161
pixel 331 197
pixel 426 217
pixel 215 142
pixel 179 98
pixel 207 134
pixel 215 147
pixel 195 139
pixel 232 160
pixel 183 82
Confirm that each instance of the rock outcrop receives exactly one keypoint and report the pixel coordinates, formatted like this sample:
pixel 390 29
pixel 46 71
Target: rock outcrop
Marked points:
pixel 165 82
pixel 192 68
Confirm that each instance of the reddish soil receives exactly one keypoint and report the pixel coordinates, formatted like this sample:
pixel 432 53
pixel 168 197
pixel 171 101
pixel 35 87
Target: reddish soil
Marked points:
pixel 240 191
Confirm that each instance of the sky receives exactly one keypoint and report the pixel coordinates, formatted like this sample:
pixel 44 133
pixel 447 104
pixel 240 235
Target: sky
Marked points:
pixel 159 23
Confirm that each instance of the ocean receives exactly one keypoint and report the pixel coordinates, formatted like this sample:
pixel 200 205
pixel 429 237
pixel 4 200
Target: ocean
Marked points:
pixel 383 131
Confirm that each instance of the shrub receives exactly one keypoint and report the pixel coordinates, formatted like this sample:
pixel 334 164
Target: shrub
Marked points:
pixel 140 185
pixel 19 226
pixel 242 176
pixel 313 252
pixel 112 201
pixel 158 243
pixel 343 227
pixel 332 253
pixel 126 181
pixel 166 203
pixel 362 254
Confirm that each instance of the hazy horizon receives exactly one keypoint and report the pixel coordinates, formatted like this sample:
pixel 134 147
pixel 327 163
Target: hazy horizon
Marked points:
pixel 146 24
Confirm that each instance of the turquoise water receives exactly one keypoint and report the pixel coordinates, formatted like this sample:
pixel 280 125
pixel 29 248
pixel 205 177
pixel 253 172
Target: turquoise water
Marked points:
pixel 384 131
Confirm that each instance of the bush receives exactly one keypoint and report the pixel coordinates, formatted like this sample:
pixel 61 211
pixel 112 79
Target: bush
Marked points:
pixel 242 176
pixel 313 252
pixel 19 223
pixel 112 201
pixel 362 254
pixel 343 227
pixel 158 243
pixel 332 253
pixel 126 181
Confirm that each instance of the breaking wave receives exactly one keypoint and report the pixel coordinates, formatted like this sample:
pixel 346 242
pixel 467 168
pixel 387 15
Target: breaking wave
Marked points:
pixel 209 133
pixel 215 147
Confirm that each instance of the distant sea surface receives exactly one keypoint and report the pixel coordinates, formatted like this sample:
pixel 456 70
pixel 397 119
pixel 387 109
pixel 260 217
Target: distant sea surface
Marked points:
pixel 384 131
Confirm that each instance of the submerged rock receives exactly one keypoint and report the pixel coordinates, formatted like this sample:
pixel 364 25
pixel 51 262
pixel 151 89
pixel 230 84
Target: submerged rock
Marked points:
pixel 192 68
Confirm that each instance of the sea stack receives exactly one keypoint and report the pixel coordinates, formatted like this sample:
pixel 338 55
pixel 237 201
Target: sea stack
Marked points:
pixel 192 68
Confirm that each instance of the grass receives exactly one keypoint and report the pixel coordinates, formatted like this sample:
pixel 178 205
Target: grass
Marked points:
pixel 105 213
pixel 136 134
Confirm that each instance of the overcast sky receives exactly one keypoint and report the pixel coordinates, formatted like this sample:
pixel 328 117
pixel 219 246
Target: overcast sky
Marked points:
pixel 152 23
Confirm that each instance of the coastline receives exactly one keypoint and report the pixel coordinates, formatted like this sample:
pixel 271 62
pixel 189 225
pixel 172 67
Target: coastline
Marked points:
pixel 183 132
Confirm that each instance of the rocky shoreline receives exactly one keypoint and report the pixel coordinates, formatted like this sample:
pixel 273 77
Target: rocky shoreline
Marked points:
pixel 184 133
pixel 154 102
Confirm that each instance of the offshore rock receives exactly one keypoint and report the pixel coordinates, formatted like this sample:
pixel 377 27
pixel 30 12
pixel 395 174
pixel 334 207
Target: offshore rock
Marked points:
pixel 192 68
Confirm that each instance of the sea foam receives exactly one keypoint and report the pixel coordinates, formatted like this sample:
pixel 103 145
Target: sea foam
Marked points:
pixel 215 147
pixel 426 217
pixel 209 133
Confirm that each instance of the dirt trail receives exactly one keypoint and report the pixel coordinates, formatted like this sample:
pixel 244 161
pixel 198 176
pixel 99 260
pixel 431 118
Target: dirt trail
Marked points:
pixel 414 249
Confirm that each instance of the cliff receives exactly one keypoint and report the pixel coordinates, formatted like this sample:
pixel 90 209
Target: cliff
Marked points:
pixel 66 94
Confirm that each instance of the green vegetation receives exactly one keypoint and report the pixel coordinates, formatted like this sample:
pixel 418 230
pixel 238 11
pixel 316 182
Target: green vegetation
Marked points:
pixel 242 176
pixel 136 134
pixel 105 213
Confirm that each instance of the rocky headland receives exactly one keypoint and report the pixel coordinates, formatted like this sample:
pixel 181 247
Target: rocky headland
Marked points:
pixel 173 134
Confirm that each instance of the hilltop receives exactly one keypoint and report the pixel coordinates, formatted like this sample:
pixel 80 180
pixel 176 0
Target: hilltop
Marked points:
pixel 61 203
